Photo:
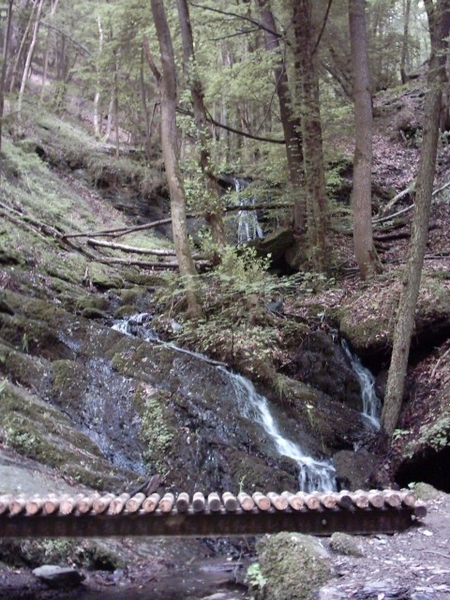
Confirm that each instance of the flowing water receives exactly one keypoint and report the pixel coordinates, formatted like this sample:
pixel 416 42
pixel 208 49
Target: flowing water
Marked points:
pixel 314 474
pixel 248 227
pixel 371 404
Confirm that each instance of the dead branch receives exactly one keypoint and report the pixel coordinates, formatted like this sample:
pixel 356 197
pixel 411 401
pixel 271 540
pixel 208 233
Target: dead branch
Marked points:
pixel 201 264
pixel 399 196
pixel 38 228
pixel 135 249
pixel 119 231
pixel 390 217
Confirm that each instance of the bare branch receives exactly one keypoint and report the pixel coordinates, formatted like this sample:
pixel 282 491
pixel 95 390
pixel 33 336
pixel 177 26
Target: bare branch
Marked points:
pixel 134 249
pixel 258 24
pixel 151 63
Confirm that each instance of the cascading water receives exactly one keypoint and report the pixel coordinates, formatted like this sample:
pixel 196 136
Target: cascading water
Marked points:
pixel 248 226
pixel 371 404
pixel 314 474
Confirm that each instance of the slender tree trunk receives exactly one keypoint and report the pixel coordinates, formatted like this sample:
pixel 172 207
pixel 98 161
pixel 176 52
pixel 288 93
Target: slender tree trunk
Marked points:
pixel 365 253
pixel 54 6
pixel 169 138
pixel 21 50
pixel 404 60
pixel 438 18
pixel 29 59
pixel 5 67
pixel 290 122
pixel 148 134
pixel 212 212
pixel 97 119
pixel 116 102
pixel 308 83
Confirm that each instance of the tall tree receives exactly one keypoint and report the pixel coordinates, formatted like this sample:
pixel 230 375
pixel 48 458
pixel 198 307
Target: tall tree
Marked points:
pixel 307 72
pixel 365 253
pixel 438 12
pixel 169 136
pixel 6 41
pixel 289 120
pixel 405 59
pixel 29 57
pixel 212 209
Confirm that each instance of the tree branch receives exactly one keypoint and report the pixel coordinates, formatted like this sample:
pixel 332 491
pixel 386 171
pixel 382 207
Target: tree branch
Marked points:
pixel 258 24
pixel 134 249
pixel 151 63
pixel 64 34
pixel 325 19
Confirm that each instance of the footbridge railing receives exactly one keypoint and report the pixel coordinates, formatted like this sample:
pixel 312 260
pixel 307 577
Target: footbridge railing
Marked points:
pixel 111 515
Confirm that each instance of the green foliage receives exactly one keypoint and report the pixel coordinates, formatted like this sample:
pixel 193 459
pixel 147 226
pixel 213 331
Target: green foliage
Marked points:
pixel 436 435
pixel 236 326
pixel 399 434
pixel 255 578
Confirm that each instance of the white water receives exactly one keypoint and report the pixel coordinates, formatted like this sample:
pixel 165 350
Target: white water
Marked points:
pixel 371 404
pixel 314 474
pixel 248 226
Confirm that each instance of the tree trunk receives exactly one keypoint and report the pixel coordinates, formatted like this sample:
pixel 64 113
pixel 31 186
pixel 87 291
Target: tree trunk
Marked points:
pixel 28 60
pixel 438 16
pixel 21 51
pixel 54 6
pixel 308 83
pixel 404 60
pixel 212 211
pixel 97 119
pixel 5 67
pixel 169 139
pixel 365 253
pixel 291 124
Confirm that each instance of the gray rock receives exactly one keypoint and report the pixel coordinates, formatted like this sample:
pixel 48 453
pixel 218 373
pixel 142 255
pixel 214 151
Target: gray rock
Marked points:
pixel 345 544
pixel 59 577
pixel 354 469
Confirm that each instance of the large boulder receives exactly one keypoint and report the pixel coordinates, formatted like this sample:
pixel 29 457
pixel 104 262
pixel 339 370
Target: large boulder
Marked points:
pixel 291 566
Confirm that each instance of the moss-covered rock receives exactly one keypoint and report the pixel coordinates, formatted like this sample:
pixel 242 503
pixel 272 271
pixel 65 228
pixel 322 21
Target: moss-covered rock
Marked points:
pixel 346 544
pixel 291 566
pixel 39 431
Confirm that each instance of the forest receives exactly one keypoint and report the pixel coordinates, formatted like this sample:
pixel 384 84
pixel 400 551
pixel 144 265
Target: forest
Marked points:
pixel 246 189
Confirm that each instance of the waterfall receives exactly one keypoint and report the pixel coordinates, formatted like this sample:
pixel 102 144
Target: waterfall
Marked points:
pixel 371 404
pixel 248 227
pixel 137 325
pixel 314 474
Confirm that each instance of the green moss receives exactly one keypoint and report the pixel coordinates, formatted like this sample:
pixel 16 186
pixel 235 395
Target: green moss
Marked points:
pixel 292 566
pixel 104 277
pixel 39 431
pixel 345 544
pixel 158 430
pixel 83 553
